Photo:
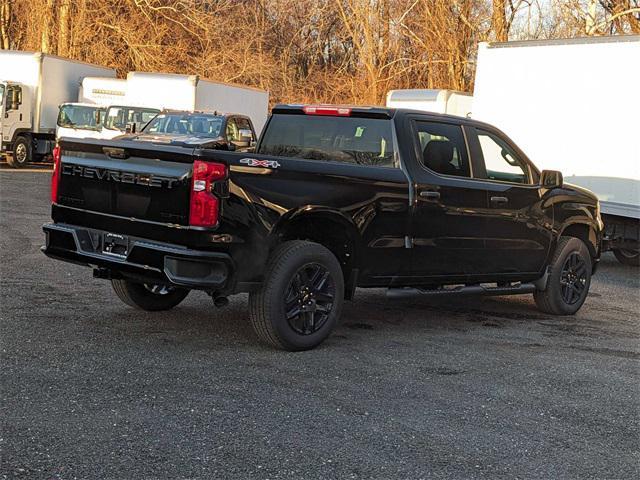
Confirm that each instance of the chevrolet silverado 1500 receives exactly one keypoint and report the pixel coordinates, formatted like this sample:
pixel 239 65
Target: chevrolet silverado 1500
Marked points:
pixel 333 198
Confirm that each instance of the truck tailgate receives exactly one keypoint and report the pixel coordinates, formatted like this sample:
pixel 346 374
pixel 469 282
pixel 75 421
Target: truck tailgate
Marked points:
pixel 118 178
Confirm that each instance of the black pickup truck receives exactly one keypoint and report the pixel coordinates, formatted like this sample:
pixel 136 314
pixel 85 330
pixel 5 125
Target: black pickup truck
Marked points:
pixel 218 131
pixel 333 199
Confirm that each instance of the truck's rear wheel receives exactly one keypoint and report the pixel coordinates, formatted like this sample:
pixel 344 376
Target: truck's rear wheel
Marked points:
pixel 22 153
pixel 569 279
pixel 627 257
pixel 147 296
pixel 301 299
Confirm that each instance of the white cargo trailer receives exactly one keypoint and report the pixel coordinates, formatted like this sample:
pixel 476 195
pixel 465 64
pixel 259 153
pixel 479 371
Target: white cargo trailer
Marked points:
pixel 32 86
pixel 190 93
pixel 573 105
pixel 450 102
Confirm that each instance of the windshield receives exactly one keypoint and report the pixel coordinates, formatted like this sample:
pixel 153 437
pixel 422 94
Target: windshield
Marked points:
pixel 1 94
pixel 118 117
pixel 80 116
pixel 196 124
pixel 364 141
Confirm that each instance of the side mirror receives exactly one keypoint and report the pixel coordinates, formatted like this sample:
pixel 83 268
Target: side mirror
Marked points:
pixel 130 128
pixel 551 179
pixel 15 105
pixel 246 136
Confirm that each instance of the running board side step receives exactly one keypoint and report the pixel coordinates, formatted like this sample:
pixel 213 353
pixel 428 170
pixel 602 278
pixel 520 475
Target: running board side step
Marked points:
pixel 468 290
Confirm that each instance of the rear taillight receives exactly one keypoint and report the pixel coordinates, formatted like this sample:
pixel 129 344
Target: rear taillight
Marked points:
pixel 329 110
pixel 205 206
pixel 55 176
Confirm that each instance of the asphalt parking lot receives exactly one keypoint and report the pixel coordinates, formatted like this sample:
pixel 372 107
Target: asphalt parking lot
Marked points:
pixel 479 388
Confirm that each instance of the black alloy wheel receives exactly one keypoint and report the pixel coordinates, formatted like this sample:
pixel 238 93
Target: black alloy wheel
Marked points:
pixel 309 298
pixel 158 289
pixel 148 296
pixel 568 280
pixel 573 278
pixel 300 300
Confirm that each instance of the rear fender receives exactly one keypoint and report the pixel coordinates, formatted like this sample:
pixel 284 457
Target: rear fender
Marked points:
pixel 323 220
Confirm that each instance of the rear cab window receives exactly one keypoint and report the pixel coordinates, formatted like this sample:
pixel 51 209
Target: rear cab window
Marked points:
pixel 345 139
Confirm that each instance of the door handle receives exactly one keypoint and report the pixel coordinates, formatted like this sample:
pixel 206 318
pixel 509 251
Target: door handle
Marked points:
pixel 499 200
pixel 430 194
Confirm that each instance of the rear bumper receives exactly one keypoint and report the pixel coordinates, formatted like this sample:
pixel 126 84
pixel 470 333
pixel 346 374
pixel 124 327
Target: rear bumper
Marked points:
pixel 144 260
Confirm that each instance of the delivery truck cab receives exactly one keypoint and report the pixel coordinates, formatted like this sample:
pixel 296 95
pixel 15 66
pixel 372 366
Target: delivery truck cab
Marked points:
pixel 15 109
pixel 86 120
pixel 32 86
pixel 80 120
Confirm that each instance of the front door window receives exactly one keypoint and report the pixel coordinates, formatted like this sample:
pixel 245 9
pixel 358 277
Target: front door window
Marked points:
pixel 501 162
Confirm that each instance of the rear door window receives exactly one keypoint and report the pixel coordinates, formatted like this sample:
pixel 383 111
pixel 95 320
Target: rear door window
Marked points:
pixel 361 141
pixel 443 149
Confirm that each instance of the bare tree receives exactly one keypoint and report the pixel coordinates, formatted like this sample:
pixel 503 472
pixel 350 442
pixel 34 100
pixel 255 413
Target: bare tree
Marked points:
pixel 63 26
pixel 341 51
pixel 499 20
pixel 5 24
pixel 45 32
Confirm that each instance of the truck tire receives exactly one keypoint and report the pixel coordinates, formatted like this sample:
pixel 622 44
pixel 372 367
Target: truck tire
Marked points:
pixel 569 278
pixel 301 298
pixel 627 257
pixel 22 153
pixel 148 297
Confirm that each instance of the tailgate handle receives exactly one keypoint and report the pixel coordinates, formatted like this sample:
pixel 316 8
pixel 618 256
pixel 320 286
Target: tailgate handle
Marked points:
pixel 430 194
pixel 499 200
pixel 119 153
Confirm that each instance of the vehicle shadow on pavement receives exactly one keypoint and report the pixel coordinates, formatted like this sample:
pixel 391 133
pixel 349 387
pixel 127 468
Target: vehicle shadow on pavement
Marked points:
pixel 370 317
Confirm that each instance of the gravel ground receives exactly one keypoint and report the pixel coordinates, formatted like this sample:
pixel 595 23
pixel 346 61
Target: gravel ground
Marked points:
pixel 473 388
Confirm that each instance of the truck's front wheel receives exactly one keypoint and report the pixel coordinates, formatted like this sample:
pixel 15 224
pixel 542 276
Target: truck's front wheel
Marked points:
pixel 300 301
pixel 22 153
pixel 146 296
pixel 569 279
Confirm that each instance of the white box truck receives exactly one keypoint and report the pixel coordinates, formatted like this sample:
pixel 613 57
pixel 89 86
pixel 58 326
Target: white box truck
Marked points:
pixel 573 105
pixel 102 110
pixel 450 102
pixel 136 99
pixel 32 86
pixel 103 90
pixel 190 93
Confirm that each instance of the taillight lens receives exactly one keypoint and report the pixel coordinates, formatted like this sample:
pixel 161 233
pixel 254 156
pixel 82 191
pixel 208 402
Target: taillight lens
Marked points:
pixel 205 206
pixel 55 176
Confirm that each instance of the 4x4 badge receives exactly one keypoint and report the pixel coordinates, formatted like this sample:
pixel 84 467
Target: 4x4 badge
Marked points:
pixel 254 162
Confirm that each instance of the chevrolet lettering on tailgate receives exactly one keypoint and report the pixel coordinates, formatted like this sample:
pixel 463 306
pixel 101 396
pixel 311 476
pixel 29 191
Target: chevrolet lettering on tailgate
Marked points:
pixel 118 176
